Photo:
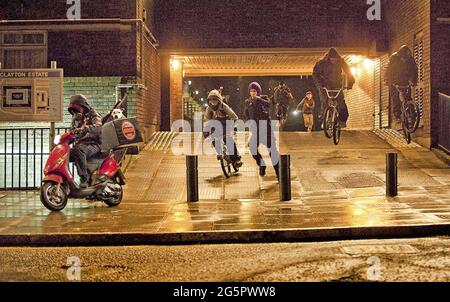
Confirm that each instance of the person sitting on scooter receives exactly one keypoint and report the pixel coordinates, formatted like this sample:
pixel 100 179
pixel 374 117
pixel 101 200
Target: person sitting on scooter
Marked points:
pixel 87 124
pixel 218 110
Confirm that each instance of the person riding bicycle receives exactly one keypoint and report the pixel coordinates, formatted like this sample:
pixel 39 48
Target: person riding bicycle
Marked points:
pixel 219 111
pixel 401 70
pixel 282 97
pixel 328 74
pixel 87 125
pixel 257 109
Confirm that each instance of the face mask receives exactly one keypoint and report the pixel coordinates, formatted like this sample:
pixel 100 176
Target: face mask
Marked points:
pixel 77 120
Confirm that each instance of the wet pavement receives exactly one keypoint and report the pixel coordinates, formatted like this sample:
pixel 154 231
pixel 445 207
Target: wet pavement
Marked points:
pixel 332 186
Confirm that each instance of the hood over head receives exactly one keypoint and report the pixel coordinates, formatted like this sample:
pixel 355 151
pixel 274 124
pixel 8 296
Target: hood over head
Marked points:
pixel 332 54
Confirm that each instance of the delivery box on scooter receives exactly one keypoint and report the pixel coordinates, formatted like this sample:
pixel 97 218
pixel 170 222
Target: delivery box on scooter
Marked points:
pixel 120 133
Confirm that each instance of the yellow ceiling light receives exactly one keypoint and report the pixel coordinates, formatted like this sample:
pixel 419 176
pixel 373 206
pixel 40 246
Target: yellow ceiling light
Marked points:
pixel 355 59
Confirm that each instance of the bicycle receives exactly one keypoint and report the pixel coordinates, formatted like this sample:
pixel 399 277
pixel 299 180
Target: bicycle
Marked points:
pixel 282 115
pixel 331 120
pixel 410 116
pixel 226 161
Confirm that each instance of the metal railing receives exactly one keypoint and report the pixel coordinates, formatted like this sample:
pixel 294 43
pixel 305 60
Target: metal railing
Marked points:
pixel 444 120
pixel 23 154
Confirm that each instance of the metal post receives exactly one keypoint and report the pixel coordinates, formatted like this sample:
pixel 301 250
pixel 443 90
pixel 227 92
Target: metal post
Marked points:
pixel 391 175
pixel 52 133
pixel 192 178
pixel 52 136
pixel 285 178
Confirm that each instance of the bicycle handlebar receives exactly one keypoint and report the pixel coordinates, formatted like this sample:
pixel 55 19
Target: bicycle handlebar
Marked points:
pixel 336 91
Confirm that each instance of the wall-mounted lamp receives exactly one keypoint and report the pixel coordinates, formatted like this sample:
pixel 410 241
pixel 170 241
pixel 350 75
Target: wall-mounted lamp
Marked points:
pixel 368 64
pixel 175 64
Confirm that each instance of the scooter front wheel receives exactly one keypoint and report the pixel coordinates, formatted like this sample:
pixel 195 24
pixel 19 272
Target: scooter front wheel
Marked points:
pixel 53 196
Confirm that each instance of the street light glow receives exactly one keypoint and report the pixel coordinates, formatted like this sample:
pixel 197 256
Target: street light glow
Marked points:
pixel 368 64
pixel 175 63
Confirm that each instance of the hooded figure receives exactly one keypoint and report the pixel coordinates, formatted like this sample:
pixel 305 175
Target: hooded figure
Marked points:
pixel 328 71
pixel 282 94
pixel 219 111
pixel 402 70
pixel 328 74
pixel 87 124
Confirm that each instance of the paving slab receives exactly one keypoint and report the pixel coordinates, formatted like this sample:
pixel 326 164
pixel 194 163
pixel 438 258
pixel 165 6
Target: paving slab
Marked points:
pixel 338 192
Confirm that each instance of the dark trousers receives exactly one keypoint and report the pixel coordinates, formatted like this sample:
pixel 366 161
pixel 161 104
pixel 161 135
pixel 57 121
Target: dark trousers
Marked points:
pixel 268 141
pixel 341 105
pixel 81 153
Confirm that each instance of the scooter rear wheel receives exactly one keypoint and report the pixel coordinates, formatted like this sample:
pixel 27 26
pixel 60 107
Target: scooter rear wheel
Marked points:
pixel 53 196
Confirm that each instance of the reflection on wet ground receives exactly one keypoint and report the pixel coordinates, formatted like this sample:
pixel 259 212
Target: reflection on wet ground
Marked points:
pixel 332 187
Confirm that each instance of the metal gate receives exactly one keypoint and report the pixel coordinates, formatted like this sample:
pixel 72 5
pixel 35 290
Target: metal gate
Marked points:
pixel 444 120
pixel 23 153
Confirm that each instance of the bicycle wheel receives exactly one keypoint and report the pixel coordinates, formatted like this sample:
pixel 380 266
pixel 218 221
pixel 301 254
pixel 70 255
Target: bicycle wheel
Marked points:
pixel 406 132
pixel 411 117
pixel 336 129
pixel 225 162
pixel 328 123
pixel 226 167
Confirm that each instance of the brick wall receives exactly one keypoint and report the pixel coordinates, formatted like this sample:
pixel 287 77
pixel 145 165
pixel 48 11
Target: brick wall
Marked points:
pixel 182 24
pixel 360 100
pixel 148 100
pixel 176 94
pixel 93 53
pixel 440 67
pixel 57 9
pixel 404 19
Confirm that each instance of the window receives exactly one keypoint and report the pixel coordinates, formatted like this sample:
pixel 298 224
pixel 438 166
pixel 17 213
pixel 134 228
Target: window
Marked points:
pixel 23 49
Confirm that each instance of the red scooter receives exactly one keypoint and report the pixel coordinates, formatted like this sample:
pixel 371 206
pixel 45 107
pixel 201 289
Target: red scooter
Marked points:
pixel 105 183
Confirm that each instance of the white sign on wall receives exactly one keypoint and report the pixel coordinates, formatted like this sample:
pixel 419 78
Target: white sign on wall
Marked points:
pixel 31 95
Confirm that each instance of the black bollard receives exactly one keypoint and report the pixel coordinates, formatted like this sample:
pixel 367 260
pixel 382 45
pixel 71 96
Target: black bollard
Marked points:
pixel 285 178
pixel 391 175
pixel 192 177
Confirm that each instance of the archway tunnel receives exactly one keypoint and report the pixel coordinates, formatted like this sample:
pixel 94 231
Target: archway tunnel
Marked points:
pixel 194 73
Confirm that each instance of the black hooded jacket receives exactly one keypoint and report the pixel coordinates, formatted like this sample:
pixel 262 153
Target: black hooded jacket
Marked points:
pixel 91 122
pixel 329 75
pixel 257 108
pixel 402 68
